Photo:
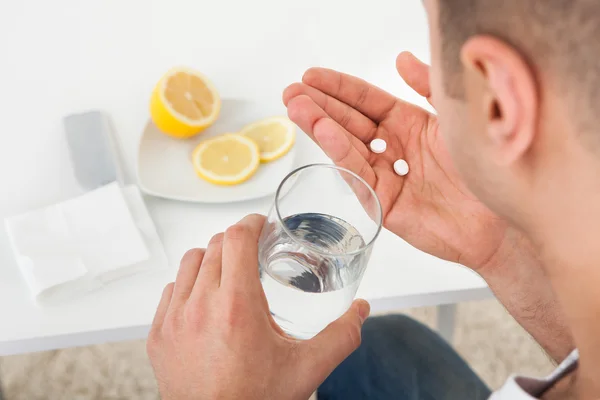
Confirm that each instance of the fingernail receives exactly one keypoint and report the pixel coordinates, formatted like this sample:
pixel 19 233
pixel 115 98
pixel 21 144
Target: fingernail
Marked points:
pixel 364 309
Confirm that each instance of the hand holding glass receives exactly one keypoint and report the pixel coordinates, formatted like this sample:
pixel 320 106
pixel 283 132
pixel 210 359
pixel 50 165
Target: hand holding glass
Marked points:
pixel 315 246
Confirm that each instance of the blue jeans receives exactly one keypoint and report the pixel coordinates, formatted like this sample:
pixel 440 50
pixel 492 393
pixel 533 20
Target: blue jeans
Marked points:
pixel 402 359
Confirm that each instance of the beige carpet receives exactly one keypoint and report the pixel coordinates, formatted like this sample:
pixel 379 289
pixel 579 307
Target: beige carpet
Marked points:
pixel 486 336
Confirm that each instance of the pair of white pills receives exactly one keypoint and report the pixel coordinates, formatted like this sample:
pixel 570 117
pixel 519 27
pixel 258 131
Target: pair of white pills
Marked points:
pixel 379 146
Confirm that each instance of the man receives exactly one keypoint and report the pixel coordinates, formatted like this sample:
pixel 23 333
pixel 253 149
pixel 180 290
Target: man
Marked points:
pixel 505 180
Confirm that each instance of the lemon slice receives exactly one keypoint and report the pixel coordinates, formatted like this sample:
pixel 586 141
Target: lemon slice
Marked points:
pixel 275 137
pixel 184 103
pixel 227 159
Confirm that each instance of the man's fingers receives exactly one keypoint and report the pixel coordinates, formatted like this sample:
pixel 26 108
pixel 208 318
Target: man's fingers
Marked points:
pixel 415 73
pixel 163 305
pixel 329 348
pixel 186 276
pixel 370 100
pixel 348 118
pixel 307 114
pixel 240 252
pixel 210 273
pixel 342 151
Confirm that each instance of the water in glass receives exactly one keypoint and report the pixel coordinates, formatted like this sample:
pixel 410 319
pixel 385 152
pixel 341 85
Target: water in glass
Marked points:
pixel 310 274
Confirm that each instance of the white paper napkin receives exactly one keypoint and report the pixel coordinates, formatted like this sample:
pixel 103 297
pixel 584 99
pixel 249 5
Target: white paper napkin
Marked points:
pixel 73 247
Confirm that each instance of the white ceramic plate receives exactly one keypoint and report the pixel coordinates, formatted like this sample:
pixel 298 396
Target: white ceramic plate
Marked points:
pixel 165 168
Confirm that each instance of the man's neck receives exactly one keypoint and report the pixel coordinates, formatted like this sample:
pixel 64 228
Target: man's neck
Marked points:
pixel 568 236
pixel 564 390
pixel 577 287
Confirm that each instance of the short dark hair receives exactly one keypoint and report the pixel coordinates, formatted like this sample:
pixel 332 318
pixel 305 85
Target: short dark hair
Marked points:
pixel 558 38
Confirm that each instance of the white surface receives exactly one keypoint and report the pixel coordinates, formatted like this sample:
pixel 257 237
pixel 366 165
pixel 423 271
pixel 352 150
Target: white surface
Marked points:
pixel 401 167
pixel 165 166
pixel 378 146
pixel 64 56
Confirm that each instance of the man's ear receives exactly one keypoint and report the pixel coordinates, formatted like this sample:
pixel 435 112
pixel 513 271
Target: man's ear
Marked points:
pixel 506 96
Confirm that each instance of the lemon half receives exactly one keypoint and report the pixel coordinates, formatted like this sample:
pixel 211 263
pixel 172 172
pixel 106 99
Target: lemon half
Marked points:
pixel 227 159
pixel 184 103
pixel 275 136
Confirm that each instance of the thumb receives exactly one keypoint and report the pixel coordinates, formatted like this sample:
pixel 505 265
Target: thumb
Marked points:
pixel 337 341
pixel 415 73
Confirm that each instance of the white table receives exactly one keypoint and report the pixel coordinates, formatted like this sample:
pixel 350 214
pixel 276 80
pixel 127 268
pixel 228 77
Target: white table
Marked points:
pixel 63 56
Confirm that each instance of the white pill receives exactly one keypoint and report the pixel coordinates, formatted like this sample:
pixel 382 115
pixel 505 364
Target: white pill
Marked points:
pixel 401 167
pixel 378 146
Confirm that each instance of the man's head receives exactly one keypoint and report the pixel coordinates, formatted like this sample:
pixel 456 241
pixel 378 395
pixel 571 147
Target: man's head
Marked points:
pixel 516 84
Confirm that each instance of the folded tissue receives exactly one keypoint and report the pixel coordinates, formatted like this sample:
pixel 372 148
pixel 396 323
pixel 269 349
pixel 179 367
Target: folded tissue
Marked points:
pixel 79 245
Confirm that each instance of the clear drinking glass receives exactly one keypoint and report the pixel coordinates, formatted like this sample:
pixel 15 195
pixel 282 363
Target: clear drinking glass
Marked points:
pixel 315 245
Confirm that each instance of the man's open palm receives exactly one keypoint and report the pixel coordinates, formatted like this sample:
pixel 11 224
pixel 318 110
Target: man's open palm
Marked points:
pixel 430 207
